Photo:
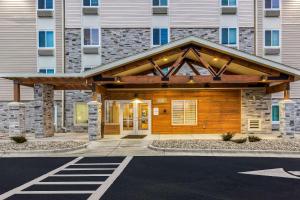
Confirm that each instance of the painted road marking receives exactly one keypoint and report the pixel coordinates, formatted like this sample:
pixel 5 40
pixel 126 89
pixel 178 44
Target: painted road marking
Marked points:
pixel 102 189
pixel 95 194
pixel 278 172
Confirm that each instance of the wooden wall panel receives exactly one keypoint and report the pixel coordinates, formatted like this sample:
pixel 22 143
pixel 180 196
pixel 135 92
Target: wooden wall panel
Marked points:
pixel 219 111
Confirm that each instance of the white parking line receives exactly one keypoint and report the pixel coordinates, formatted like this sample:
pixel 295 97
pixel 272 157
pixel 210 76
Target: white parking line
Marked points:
pixel 87 169
pixel 56 192
pixel 102 189
pixel 97 164
pixel 72 183
pixel 34 181
pixel 71 175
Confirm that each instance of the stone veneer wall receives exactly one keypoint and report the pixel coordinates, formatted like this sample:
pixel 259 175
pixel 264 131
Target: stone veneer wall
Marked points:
pixel 211 34
pixel 119 43
pixel 256 104
pixel 246 39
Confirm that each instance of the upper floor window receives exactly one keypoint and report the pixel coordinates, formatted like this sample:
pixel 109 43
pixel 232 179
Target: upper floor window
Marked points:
pixel 45 4
pixel 46 71
pixel 229 36
pixel 160 2
pixel 160 36
pixel 272 4
pixel 272 38
pixel 90 3
pixel 91 37
pixel 46 39
pixel 229 3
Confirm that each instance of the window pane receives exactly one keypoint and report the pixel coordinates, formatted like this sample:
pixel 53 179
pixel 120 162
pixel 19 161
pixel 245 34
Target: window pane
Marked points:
pixel 224 35
pixel 164 36
pixel 49 4
pixel 268 3
pixel 94 2
pixel 275 38
pixel 87 37
pixel 232 2
pixel 232 36
pixel 41 4
pixel 224 2
pixel 95 36
pixel 275 113
pixel 86 2
pixel 50 39
pixel 267 38
pixel 42 39
pixel 112 112
pixel 163 2
pixel 50 71
pixel 156 38
pixel 190 113
pixel 155 2
pixel 178 112
pixel 43 71
pixel 275 3
pixel 81 113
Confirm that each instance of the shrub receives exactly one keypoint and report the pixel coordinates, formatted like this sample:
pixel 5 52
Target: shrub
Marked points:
pixel 240 141
pixel 19 139
pixel 227 136
pixel 254 139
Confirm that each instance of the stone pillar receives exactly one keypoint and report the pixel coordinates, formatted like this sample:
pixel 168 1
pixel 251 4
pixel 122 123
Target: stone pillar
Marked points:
pixel 287 117
pixel 44 110
pixel 94 120
pixel 16 118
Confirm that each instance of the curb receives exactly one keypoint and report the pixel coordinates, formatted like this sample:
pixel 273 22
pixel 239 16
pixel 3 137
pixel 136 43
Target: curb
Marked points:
pixel 47 151
pixel 224 151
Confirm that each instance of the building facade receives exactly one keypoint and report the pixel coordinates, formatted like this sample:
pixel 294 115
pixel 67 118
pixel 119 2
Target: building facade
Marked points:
pixel 73 36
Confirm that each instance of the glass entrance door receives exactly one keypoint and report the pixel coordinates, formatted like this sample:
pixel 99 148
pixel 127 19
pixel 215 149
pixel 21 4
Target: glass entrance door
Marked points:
pixel 136 117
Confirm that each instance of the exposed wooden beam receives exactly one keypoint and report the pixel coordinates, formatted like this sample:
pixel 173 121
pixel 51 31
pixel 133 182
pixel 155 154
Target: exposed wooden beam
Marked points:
pixel 177 63
pixel 193 68
pixel 157 68
pixel 278 88
pixel 204 63
pixel 17 91
pixel 223 68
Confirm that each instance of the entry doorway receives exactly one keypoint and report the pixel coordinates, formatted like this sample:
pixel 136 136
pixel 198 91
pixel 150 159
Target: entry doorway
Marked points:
pixel 135 117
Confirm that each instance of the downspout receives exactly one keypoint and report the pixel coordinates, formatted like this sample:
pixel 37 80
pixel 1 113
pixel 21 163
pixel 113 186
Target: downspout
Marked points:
pixel 63 68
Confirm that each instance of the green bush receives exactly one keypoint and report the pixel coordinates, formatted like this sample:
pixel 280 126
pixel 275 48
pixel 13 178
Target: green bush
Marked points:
pixel 240 141
pixel 254 139
pixel 19 139
pixel 227 136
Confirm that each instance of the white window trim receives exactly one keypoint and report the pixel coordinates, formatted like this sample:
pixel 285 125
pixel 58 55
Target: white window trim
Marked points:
pixel 74 115
pixel 237 37
pixel 160 6
pixel 272 5
pixel 152 45
pixel 82 33
pixel 228 6
pixel 264 38
pixel 54 39
pixel 83 6
pixel 172 122
pixel 46 68
pixel 274 122
pixel 105 112
pixel 45 9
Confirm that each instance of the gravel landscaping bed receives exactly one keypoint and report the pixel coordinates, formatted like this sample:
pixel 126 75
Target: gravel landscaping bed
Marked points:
pixel 10 146
pixel 292 145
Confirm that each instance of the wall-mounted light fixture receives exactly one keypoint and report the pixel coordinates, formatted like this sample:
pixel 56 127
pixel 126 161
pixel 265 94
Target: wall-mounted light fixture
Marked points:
pixel 191 80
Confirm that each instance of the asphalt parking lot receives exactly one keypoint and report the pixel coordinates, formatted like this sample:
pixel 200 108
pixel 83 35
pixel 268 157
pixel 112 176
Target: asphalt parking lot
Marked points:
pixel 143 178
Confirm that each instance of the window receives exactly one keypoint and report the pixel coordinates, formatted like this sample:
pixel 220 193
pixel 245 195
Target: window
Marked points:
pixel 160 36
pixel 112 112
pixel 231 3
pixel 160 2
pixel 272 4
pixel 229 36
pixel 81 113
pixel 46 39
pixel 184 112
pixel 275 114
pixel 91 37
pixel 90 3
pixel 45 4
pixel 46 71
pixel 272 38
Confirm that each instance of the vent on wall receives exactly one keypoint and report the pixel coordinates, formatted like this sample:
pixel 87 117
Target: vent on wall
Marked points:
pixel 254 125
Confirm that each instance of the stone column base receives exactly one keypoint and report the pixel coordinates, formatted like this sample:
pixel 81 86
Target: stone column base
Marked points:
pixel 94 122
pixel 287 117
pixel 16 118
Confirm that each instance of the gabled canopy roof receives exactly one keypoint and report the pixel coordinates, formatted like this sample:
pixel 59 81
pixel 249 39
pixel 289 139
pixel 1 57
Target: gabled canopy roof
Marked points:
pixel 226 65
